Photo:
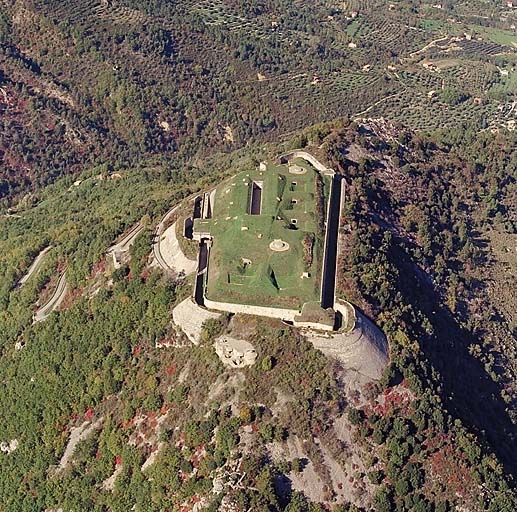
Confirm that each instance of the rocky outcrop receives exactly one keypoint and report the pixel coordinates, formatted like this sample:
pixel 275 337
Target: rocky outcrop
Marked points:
pixel 9 446
pixel 235 353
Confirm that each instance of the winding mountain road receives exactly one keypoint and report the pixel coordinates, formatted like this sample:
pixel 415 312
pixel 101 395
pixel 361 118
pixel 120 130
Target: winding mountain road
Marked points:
pixel 53 303
pixel 123 245
pixel 34 266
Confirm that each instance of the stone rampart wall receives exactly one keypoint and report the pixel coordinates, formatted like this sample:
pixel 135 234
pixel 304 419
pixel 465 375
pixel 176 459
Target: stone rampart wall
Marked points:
pixel 248 309
pixel 348 313
pixel 313 325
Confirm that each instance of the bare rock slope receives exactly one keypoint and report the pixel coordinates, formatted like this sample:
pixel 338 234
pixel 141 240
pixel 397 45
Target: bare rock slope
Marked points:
pixel 364 348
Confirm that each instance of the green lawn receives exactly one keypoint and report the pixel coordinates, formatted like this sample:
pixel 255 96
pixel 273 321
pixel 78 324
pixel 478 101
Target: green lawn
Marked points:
pixel 434 25
pixel 272 278
pixel 503 37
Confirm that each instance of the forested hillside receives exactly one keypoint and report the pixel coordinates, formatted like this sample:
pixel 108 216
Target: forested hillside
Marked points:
pixel 422 213
pixel 114 82
pixel 114 111
pixel 435 433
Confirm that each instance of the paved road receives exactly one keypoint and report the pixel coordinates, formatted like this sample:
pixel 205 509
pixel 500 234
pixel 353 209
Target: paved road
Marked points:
pixel 160 228
pixel 59 294
pixel 34 267
pixel 125 243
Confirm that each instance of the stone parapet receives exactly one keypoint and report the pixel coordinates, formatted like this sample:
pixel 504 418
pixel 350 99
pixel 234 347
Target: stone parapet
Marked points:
pixel 247 309
pixel 300 153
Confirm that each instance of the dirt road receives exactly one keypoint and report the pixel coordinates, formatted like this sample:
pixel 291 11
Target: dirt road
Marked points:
pixel 34 267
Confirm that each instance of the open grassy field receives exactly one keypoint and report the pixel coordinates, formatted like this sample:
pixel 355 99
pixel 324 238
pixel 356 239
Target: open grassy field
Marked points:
pixel 242 267
pixel 504 37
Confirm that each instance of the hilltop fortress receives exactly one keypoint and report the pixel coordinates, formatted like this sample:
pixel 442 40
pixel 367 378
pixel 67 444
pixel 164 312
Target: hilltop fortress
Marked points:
pixel 267 243
pixel 265 248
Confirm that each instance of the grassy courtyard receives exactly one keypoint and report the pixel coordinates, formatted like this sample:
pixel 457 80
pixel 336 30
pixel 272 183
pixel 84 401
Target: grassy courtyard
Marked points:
pixel 242 267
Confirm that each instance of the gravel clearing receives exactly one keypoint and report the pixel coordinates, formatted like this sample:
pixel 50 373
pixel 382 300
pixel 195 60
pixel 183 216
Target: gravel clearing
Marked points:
pixel 172 254
pixel 77 434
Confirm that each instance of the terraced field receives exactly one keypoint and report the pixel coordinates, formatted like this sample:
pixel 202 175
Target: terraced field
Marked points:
pixel 427 113
pixel 217 13
pixel 386 34
pixel 91 11
pixel 168 77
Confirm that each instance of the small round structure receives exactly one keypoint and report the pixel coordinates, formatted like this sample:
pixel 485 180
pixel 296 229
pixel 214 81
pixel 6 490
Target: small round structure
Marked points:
pixel 278 245
pixel 296 169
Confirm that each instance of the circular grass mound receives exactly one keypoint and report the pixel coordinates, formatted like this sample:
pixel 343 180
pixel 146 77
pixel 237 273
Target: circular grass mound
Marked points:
pixel 296 169
pixel 278 245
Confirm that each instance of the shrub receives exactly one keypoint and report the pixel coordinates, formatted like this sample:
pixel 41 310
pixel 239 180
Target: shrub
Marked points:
pixel 355 416
pixel 268 363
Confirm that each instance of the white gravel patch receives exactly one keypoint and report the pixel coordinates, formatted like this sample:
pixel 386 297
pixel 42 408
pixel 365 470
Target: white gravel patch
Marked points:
pixel 77 434
pixel 152 458
pixel 109 483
